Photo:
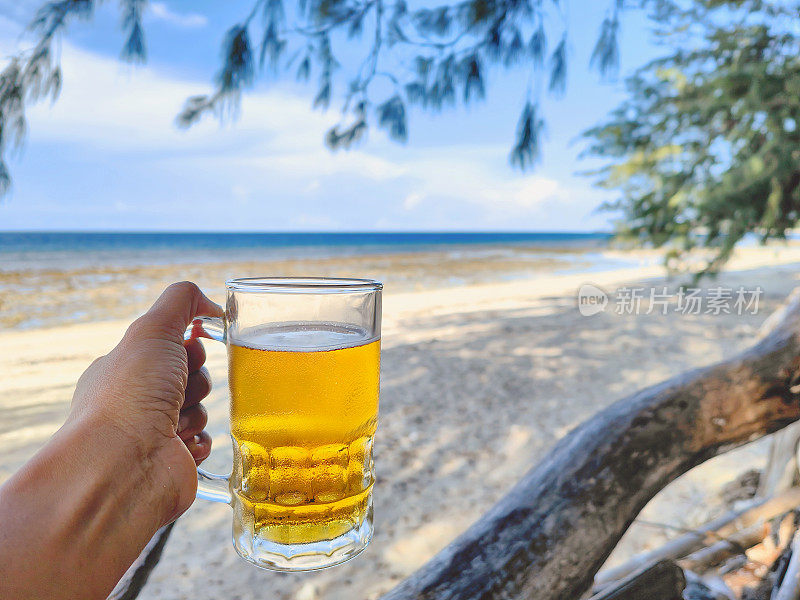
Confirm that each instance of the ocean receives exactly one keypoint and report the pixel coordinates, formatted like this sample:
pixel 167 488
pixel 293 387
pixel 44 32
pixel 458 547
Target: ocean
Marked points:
pixel 67 277
pixel 70 250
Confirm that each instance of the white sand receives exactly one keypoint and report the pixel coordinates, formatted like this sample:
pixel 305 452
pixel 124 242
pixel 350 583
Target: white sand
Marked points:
pixel 478 382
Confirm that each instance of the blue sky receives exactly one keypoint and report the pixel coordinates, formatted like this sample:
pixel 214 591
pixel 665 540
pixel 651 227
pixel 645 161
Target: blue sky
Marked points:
pixel 107 156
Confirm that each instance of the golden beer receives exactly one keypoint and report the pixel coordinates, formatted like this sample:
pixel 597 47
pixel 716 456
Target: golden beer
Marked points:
pixel 303 373
pixel 302 423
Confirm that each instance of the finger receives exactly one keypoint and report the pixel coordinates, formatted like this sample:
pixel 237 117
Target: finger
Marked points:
pixel 192 421
pixel 198 385
pixel 196 354
pixel 199 446
pixel 175 309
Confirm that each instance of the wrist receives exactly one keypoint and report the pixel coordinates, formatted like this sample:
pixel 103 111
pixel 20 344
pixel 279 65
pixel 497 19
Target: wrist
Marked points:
pixel 86 493
pixel 153 482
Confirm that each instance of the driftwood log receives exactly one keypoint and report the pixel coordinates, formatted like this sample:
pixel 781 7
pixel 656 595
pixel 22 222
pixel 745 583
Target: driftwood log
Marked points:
pixel 548 537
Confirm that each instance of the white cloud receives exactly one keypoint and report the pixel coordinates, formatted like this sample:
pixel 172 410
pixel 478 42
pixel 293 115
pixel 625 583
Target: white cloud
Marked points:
pixel 412 200
pixel 108 105
pixel 525 193
pixel 479 177
pixel 161 12
pixel 316 159
pixel 273 161
pixel 312 186
pixel 114 108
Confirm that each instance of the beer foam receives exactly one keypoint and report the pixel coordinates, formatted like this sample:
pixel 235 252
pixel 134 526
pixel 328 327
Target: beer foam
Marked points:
pixel 302 337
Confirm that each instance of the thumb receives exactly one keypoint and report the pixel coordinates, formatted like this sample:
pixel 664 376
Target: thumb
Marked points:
pixel 174 310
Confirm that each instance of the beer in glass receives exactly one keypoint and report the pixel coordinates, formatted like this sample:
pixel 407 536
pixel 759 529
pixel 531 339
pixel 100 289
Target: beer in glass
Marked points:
pixel 303 373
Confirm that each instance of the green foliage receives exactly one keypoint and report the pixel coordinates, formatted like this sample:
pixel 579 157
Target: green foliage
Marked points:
pixel 707 147
pixel 529 133
pixel 446 51
pixel 133 50
pixel 433 57
pixel 34 75
pixel 606 51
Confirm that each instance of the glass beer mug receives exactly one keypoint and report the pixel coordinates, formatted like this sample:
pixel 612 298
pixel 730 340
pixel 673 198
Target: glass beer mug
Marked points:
pixel 303 373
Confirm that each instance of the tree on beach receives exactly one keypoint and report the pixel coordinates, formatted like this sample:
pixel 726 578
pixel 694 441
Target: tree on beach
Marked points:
pixel 707 147
pixel 433 57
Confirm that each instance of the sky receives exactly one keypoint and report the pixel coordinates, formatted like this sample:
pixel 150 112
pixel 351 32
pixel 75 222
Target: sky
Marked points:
pixel 107 156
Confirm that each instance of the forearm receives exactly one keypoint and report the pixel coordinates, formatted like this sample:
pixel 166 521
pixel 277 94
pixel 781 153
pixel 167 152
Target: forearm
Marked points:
pixel 78 513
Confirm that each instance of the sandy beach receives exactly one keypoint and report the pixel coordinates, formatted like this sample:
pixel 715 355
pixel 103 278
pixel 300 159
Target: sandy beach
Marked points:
pixel 479 379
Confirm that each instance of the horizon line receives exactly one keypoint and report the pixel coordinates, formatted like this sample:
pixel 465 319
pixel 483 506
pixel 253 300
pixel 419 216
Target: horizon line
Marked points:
pixel 314 231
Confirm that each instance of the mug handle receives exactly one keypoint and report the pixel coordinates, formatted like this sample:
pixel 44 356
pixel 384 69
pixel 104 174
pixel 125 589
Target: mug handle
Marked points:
pixel 210 486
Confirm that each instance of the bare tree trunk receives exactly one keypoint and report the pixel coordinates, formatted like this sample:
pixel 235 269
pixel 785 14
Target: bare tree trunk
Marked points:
pixel 546 539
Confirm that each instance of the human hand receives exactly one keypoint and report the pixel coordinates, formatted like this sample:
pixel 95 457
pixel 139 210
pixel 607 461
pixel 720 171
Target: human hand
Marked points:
pixel 78 513
pixel 148 389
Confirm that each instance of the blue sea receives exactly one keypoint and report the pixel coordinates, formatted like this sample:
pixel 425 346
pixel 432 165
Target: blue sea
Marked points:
pixel 49 278
pixel 69 250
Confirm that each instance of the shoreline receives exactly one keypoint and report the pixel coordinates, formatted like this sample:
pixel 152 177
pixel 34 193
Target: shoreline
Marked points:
pixel 33 300
pixel 479 381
